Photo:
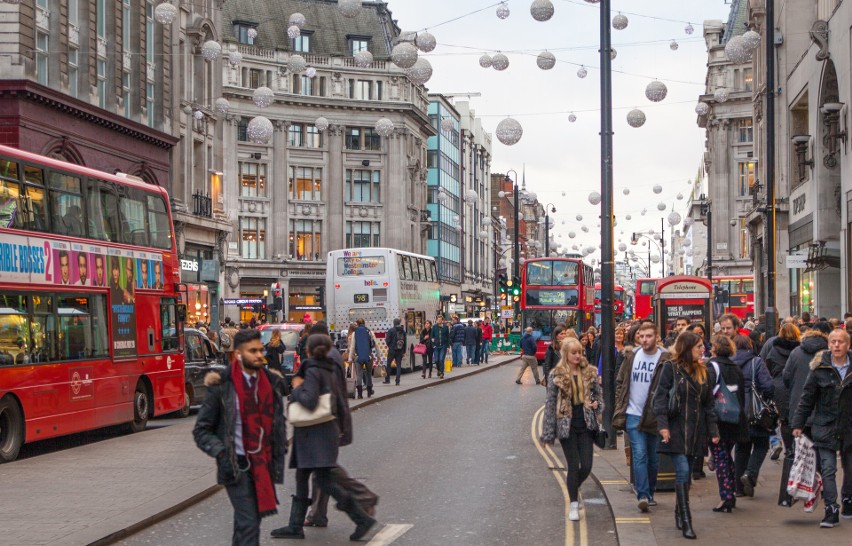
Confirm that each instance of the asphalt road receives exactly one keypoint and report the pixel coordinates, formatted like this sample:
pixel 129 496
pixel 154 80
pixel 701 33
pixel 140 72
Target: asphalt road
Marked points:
pixel 453 464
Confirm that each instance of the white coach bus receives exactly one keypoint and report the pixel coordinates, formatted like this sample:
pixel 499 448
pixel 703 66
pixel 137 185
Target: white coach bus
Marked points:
pixel 379 285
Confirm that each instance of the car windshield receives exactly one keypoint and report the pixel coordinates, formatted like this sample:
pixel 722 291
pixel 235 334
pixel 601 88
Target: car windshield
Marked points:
pixel 290 338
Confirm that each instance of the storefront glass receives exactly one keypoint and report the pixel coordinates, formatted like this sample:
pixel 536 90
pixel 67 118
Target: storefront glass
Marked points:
pixel 197 304
pixel 302 306
pixel 801 286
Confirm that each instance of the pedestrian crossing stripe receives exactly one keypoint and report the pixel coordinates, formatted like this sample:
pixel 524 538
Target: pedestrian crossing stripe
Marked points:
pixel 632 520
pixel 613 482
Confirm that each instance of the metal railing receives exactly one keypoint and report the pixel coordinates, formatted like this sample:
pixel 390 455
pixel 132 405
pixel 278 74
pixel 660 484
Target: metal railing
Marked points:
pixel 202 205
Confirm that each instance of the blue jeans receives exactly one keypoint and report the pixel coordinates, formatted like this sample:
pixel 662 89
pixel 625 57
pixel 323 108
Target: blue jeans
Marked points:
pixel 457 354
pixel 439 356
pixel 470 351
pixel 486 347
pixel 643 454
pixel 682 465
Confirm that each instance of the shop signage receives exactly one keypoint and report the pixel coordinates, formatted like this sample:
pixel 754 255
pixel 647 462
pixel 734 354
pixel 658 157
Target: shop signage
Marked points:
pixel 307 308
pixel 797 261
pixel 800 205
pixel 188 265
pixel 242 301
pixel 506 313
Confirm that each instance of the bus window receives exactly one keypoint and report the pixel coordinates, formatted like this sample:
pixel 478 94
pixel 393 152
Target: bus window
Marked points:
pixel 36 202
pixel 380 294
pixel 100 325
pixel 421 269
pixel 158 223
pixel 14 330
pixel 43 328
pixel 748 286
pixel 133 226
pixel 406 268
pixel 168 320
pixel 66 204
pixel 647 288
pixel 97 226
pixel 540 273
pixel 75 327
pixel 109 209
pixel 434 267
pixel 10 194
pixel 564 273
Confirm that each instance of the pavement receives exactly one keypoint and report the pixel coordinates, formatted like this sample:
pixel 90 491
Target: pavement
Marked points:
pixel 756 520
pixel 102 492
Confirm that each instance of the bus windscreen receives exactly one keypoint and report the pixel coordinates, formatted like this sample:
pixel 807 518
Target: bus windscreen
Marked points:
pixel 552 273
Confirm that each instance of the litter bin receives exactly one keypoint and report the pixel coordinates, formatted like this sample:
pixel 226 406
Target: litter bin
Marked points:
pixel 665 472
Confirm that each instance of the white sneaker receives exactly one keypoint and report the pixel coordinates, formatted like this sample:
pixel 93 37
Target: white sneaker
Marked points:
pixel 574 512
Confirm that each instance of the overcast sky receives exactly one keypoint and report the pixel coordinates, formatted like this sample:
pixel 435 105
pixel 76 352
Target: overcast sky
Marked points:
pixel 562 156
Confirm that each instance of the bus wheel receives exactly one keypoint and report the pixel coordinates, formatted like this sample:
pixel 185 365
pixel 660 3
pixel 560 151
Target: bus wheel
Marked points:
pixel 187 401
pixel 140 408
pixel 11 430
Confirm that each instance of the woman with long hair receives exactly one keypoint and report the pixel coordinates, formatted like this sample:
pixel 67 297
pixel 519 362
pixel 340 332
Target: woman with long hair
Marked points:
pixel 684 406
pixel 726 370
pixel 571 413
pixel 552 354
pixel 426 339
pixel 274 351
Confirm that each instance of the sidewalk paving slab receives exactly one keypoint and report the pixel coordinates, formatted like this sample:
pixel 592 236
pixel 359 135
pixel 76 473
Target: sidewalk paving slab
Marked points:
pixel 101 492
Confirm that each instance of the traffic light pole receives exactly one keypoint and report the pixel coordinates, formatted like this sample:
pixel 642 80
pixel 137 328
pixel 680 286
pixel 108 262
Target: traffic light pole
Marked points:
pixel 516 271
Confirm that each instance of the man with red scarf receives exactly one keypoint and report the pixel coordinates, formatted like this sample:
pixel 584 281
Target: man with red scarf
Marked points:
pixel 241 423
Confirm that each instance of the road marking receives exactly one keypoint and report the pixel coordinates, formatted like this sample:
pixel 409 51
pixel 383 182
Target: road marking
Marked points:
pixel 613 482
pixel 553 462
pixel 389 534
pixel 632 520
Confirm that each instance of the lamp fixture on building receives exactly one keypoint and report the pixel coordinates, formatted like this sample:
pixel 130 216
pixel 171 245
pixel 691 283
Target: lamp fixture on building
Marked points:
pixel 831 112
pixel 801 144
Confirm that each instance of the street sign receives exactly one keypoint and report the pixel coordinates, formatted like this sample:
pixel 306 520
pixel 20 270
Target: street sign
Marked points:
pixel 797 261
pixel 506 313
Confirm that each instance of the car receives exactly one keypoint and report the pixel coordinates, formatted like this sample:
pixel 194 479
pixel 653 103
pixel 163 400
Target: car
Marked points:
pixel 202 356
pixel 290 338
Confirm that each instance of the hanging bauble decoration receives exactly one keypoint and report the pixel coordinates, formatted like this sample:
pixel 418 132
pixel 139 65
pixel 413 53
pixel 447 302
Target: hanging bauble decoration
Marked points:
pixel 251 33
pixel 235 58
pixel 486 221
pixel 211 50
pixel 259 130
pixel 736 50
pixel 688 221
pixel 297 19
pixel 661 206
pixel 579 217
pixel 721 95
pixel 619 22
pixel 751 40
pixel 582 72
pixel 622 247
pixel 509 131
pixel 679 197
pixel 546 60
pixel 613 53
pixel 584 229
pixel 687 243
pixel 655 259
pixel 702 108
pixel 673 45
pixel 420 72
pixel 222 105
pixel 297 64
pixel 294 32
pixel 626 191
pixel 198 114
pixel 363 59
pixel 425 42
pixel 674 218
pixel 404 55
pixel 447 124
pixel 483 234
pixel 689 252
pixel 349 8
pixel 263 97
pixel 571 234
pixel 644 211
pixel 689 29
pixel 658 189
pixel 636 118
pixel 572 117
pixel 502 11
pixel 563 195
pixel 321 124
pixel 595 198
pixel 470 197
pixel 499 62
pixel 456 219
pixel 628 217
pixel 485 60
pixel 541 10
pixel 310 72
pixel 164 13
pixel 656 91
pixel 384 127
pixel 681 251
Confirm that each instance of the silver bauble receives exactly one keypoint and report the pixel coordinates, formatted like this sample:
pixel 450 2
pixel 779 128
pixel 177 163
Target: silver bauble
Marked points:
pixel 702 109
pixel 298 20
pixel 546 60
pixel 310 72
pixel 420 72
pixel 674 218
pixel 619 22
pixel 502 11
pixel 656 91
pixel 485 60
pixel 259 130
pixel 541 10
pixel 404 55
pixel 235 58
pixel 626 191
pixel 263 97
pixel 582 72
pixel 211 50
pixel 674 45
pixel 222 105
pixel 736 50
pixel 751 40
pixel 297 64
pixel 572 117
pixel 613 53
pixel 721 95
pixel 384 127
pixel 425 42
pixel 595 198
pixel 509 131
pixel 321 124
pixel 636 118
pixel 349 8
pixel 447 124
pixel 658 189
pixel 688 29
pixel 251 33
pixel 499 62
pixel 294 32
pixel 165 13
pixel 363 59
pixel 661 206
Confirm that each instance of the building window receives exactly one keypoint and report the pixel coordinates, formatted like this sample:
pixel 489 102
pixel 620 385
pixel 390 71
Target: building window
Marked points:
pixel 363 138
pixel 296 135
pixel 125 92
pixel 252 179
pixel 149 103
pixel 748 79
pixel 101 18
pixel 253 78
pixel 253 235
pixel 302 44
pixel 745 179
pixel 242 129
pixel 305 183
pixel 313 138
pixel 73 12
pixel 125 27
pixel 73 71
pixel 360 89
pixel 42 43
pixel 101 68
pixel 358 44
pixel 307 86
pixel 745 131
pixel 241 32
pixel 362 186
pixel 744 239
pixel 363 234
pixel 306 240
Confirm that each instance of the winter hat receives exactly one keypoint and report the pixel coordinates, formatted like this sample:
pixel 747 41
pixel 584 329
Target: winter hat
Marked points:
pixel 749 326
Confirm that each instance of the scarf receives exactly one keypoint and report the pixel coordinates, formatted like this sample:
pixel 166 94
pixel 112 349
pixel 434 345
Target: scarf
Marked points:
pixel 256 413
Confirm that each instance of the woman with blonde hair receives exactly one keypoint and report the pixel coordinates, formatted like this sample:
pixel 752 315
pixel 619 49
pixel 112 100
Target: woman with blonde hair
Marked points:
pixel 686 417
pixel 274 351
pixel 571 413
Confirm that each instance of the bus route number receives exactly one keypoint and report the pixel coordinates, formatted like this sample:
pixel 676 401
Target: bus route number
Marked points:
pixel 362 298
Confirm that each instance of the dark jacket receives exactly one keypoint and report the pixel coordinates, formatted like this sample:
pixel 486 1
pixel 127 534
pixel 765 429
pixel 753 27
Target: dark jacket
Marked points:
pixel 551 359
pixel 457 333
pixel 478 335
pixel 776 358
pixel 273 356
pixel 695 419
pixel 829 400
pixel 317 446
pixel 648 423
pixel 214 426
pixel 752 365
pixel 799 366
pixel 470 335
pixel 528 345
pixel 363 341
pixel 426 338
pixel 440 335
pixel 394 334
pixel 733 376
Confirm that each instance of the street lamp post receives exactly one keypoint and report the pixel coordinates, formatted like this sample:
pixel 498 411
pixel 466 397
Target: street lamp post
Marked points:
pixel 707 212
pixel 635 239
pixel 517 249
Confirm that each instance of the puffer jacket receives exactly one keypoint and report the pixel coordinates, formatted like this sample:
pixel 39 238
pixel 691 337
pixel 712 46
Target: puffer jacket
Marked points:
pixel 752 365
pixel 828 400
pixel 214 427
pixel 457 333
pixel 648 423
pixel 558 410
pixel 776 358
pixel 799 366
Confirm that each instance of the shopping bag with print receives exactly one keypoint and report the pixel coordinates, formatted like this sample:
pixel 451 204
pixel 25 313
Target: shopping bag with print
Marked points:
pixel 802 481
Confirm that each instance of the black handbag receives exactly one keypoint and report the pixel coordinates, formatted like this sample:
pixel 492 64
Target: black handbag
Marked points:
pixel 764 413
pixel 601 437
pixel 674 399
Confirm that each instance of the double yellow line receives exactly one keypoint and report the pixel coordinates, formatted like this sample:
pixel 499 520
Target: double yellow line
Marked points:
pixel 554 463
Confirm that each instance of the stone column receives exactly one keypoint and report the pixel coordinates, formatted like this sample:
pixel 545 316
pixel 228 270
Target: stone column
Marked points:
pixel 395 226
pixel 334 179
pixel 279 180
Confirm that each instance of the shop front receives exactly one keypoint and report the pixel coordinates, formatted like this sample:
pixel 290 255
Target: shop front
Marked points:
pixel 252 300
pixel 802 280
pixel 475 305
pixel 304 301
pixel 199 274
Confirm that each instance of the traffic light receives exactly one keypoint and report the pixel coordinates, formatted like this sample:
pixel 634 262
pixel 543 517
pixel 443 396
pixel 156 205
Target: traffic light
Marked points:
pixel 516 289
pixel 502 280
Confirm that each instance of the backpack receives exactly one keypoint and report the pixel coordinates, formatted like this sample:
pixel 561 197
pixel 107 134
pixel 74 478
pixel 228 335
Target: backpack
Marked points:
pixel 400 342
pixel 225 338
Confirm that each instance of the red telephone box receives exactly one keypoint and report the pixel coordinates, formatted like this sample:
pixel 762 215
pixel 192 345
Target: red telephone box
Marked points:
pixel 683 296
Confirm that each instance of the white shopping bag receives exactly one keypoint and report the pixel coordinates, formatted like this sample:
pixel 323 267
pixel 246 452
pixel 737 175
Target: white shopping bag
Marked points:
pixel 803 483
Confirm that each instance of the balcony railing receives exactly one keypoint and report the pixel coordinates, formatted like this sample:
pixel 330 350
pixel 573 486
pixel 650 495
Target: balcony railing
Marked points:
pixel 202 205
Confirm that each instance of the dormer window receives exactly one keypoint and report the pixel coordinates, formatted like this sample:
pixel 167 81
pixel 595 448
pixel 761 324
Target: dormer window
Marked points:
pixel 245 32
pixel 358 43
pixel 302 44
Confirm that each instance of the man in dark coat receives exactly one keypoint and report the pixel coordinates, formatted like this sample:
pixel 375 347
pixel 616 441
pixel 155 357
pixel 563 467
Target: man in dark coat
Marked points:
pixel 440 342
pixel 396 342
pixel 243 427
pixel 799 362
pixel 827 395
pixel 457 340
pixel 363 341
pixel 470 343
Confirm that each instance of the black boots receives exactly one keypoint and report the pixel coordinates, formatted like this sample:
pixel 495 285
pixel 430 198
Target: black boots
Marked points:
pixel 682 492
pixel 369 391
pixel 363 522
pixel 298 511
pixel 360 392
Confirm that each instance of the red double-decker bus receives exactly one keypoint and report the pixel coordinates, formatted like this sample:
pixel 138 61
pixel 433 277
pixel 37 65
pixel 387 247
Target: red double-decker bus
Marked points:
pixel 618 303
pixel 90 314
pixel 643 306
pixel 554 291
pixel 740 294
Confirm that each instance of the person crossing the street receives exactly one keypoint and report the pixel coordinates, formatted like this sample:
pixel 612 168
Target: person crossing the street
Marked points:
pixel 528 358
